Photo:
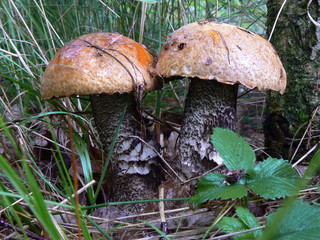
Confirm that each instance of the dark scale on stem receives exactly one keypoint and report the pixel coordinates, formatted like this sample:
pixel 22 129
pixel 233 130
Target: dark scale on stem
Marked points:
pixel 134 171
pixel 209 104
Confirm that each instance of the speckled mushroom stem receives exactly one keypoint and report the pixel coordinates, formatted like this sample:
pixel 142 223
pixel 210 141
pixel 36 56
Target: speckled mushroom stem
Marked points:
pixel 209 104
pixel 133 166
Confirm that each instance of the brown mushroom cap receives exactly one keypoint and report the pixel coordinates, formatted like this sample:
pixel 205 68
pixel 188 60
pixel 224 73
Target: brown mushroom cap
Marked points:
pixel 98 63
pixel 226 53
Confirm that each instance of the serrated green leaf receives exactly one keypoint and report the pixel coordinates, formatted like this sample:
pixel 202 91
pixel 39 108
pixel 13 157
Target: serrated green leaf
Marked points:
pixel 229 225
pixel 211 179
pixel 247 217
pixel 212 187
pixel 245 221
pixel 233 149
pixel 248 220
pixel 275 167
pixel 273 187
pixel 273 178
pixel 301 222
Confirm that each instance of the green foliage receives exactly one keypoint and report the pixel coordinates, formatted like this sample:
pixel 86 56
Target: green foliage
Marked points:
pixel 236 153
pixel 245 221
pixel 273 226
pixel 300 222
pixel 212 186
pixel 273 178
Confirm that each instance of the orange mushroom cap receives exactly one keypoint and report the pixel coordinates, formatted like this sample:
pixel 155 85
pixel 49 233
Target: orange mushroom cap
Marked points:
pixel 99 63
pixel 226 53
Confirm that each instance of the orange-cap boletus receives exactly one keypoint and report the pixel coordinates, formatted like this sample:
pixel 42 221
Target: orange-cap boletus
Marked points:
pixel 110 68
pixel 216 57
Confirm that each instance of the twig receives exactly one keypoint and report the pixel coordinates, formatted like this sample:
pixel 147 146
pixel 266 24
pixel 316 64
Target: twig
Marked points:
pixel 196 178
pixel 143 20
pixel 14 203
pixel 173 211
pixel 164 224
pixel 305 155
pixel 161 121
pixel 305 133
pixel 309 15
pixel 5 224
pixel 78 192
pixel 236 233
pixel 277 18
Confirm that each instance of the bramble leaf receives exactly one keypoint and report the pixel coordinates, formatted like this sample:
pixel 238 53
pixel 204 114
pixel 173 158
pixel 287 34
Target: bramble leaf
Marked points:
pixel 247 217
pixel 273 178
pixel 233 149
pixel 212 186
pixel 229 225
pixel 300 222
pixel 245 221
pixel 275 167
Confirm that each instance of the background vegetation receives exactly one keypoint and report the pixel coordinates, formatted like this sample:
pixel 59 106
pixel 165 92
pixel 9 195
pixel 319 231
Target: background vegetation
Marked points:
pixel 35 135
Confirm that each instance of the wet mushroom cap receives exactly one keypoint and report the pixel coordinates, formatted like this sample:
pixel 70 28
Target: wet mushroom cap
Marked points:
pixel 226 53
pixel 98 63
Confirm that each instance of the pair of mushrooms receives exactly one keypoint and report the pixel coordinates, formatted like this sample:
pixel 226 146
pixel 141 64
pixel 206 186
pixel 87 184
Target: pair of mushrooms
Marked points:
pixel 110 67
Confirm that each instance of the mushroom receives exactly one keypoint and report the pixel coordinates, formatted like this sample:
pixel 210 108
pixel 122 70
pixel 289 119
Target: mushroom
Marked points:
pixel 110 67
pixel 216 57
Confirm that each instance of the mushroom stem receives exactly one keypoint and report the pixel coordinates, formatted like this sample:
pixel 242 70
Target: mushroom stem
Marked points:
pixel 209 104
pixel 107 111
pixel 133 165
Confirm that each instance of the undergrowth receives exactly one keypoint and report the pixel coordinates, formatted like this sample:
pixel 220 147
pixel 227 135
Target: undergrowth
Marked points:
pixel 270 179
pixel 40 140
